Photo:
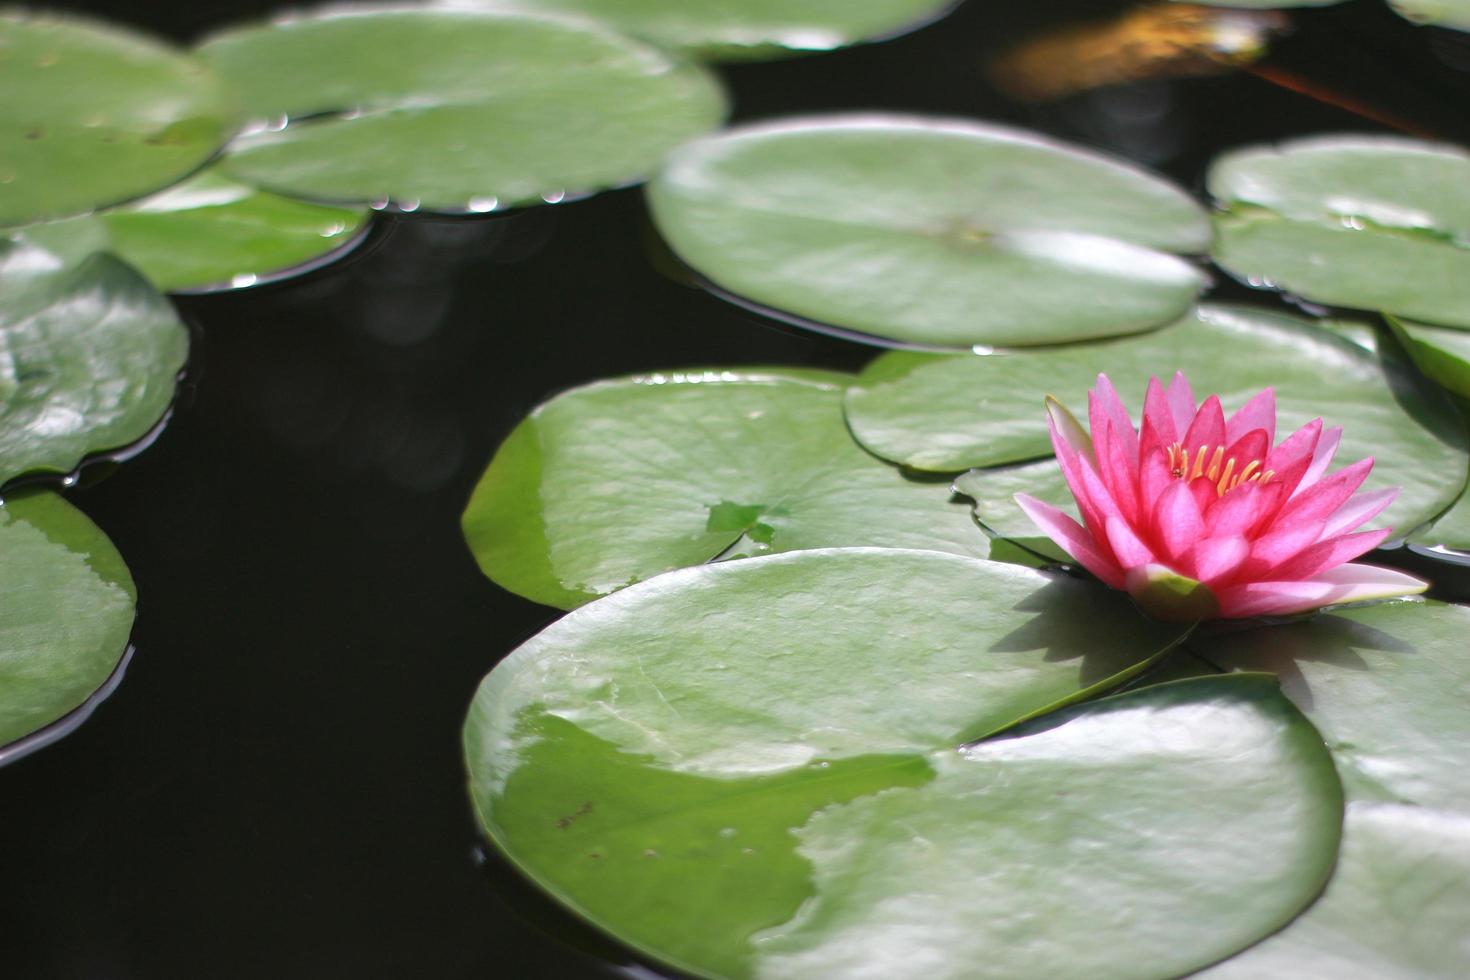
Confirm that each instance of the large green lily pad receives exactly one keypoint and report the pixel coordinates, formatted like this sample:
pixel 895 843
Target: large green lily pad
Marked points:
pixel 93 115
pixel 617 481
pixel 947 412
pixel 212 233
pixel 454 109
pixel 936 232
pixel 89 357
pixel 66 609
pixel 1387 686
pixel 993 491
pixel 1442 13
pixel 1442 353
pixel 751 29
pixel 1373 222
pixel 750 770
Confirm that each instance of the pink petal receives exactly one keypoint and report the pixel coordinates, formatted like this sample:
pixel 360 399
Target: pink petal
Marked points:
pixel 1319 502
pixel 1072 464
pixel 1330 553
pixel 1359 509
pixel 1154 478
pixel 1321 457
pixel 1251 445
pixel 1072 538
pixel 1103 403
pixel 1181 403
pixel 1258 413
pixel 1208 427
pixel 1280 546
pixel 1213 559
pixel 1240 510
pixel 1204 491
pixel 1127 546
pixel 1064 426
pixel 1177 521
pixel 1115 470
pixel 1345 583
pixel 1158 429
pixel 1294 455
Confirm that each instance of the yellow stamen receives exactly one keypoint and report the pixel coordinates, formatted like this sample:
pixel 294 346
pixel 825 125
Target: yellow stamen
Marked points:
pixel 1219 470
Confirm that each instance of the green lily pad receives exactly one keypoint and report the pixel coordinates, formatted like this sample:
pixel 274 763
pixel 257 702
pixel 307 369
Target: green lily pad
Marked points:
pixel 928 231
pixel 211 233
pixel 993 491
pixel 620 480
pixel 1377 223
pixel 1450 529
pixel 1442 353
pixel 1394 910
pixel 1442 13
pixel 1387 686
pixel 89 357
pixel 94 115
pixel 750 769
pixel 752 29
pixel 66 610
pixel 453 109
pixel 947 412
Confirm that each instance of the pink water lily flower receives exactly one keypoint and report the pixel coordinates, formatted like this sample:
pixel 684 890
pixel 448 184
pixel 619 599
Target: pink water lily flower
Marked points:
pixel 1199 516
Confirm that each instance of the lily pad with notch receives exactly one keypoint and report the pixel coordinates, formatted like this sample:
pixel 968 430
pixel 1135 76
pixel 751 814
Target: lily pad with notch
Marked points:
pixel 930 231
pixel 768 769
pixel 617 481
pixel 453 108
pixel 90 355
pixel 95 114
pixel 66 611
pixel 1371 222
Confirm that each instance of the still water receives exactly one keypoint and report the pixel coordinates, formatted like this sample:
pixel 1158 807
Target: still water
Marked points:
pixel 275 788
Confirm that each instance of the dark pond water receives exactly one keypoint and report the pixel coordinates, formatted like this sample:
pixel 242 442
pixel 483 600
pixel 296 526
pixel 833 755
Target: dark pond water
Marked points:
pixel 275 789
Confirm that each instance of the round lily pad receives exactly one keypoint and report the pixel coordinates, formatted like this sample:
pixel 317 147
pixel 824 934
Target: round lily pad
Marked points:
pixel 947 412
pixel 94 115
pixel 1449 530
pixel 936 232
pixel 620 480
pixel 66 610
pixel 1373 222
pixel 752 29
pixel 91 354
pixel 211 233
pixel 1442 13
pixel 453 109
pixel 750 769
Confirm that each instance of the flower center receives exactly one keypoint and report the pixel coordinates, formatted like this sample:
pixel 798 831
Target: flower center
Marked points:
pixel 1210 462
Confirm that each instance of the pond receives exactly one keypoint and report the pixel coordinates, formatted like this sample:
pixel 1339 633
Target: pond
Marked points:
pixel 276 785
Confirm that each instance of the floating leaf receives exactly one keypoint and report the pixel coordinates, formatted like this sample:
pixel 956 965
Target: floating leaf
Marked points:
pixel 454 109
pixel 1387 686
pixel 211 233
pixel 1442 353
pixel 752 29
pixel 94 115
pixel 89 357
pixel 66 609
pixel 749 769
pixel 947 412
pixel 1450 529
pixel 930 231
pixel 1373 222
pixel 1444 13
pixel 617 481
pixel 994 490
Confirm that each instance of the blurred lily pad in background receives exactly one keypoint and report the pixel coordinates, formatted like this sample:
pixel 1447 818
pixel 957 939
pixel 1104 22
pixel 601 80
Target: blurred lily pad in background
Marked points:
pixel 67 613
pixel 91 354
pixel 752 29
pixel 1371 222
pixel 930 231
pixel 118 114
pixel 210 233
pixel 615 482
pixel 453 109
pixel 1442 13
pixel 647 762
